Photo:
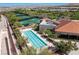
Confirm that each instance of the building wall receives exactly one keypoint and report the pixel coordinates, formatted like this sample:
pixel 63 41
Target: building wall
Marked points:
pixel 43 27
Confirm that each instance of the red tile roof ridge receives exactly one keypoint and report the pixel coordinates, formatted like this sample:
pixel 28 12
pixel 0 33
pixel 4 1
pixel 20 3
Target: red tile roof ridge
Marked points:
pixel 63 22
pixel 63 25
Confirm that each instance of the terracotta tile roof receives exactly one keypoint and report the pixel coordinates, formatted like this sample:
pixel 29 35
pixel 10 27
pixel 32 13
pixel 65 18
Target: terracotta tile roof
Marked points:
pixel 63 22
pixel 71 27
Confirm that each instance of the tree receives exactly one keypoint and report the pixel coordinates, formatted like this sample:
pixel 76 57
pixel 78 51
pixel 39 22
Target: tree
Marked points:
pixel 65 47
pixel 32 51
pixel 36 27
pixel 21 42
pixel 17 24
pixel 46 52
pixel 18 19
pixel 28 51
pixel 49 33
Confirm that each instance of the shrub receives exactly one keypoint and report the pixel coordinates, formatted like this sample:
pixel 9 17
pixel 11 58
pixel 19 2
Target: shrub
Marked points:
pixel 65 47
pixel 46 52
pixel 28 51
pixel 49 33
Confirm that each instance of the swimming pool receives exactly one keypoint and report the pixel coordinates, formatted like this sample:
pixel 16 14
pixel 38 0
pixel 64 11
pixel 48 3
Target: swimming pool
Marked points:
pixel 36 41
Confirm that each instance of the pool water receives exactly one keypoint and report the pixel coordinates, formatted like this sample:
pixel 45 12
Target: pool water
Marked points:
pixel 36 41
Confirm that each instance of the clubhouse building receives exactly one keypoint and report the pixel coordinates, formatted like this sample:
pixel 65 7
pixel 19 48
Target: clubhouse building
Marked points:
pixel 68 28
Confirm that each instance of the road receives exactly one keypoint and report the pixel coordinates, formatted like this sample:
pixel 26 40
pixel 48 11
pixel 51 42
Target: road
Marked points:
pixel 3 34
pixel 7 39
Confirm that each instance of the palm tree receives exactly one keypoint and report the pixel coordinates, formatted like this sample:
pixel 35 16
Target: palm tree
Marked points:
pixel 46 52
pixel 21 42
pixel 28 51
pixel 32 51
